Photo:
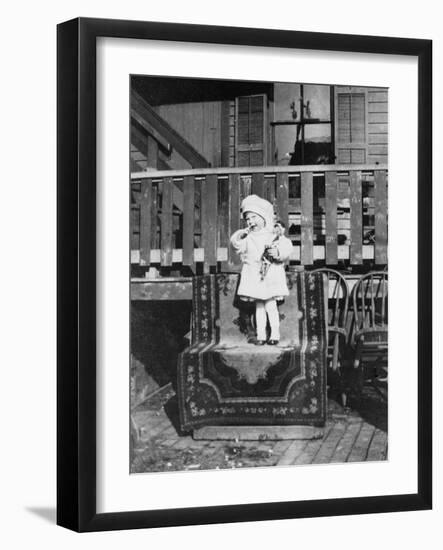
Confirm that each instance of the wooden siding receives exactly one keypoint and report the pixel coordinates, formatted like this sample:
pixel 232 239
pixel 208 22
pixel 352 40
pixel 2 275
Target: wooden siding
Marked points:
pixel 361 125
pixel 378 116
pixel 199 124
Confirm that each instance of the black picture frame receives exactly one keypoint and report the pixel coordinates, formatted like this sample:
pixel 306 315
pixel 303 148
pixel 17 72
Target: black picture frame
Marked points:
pixel 77 249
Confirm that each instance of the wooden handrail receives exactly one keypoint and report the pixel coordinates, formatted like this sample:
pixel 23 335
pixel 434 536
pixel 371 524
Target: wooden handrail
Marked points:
pixel 317 169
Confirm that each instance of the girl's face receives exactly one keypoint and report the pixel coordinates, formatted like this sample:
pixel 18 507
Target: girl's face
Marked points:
pixel 254 221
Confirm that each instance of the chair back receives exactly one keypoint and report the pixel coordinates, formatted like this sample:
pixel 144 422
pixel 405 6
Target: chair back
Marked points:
pixel 370 302
pixel 338 297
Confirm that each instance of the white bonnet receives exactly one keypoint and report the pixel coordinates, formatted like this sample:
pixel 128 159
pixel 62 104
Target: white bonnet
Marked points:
pixel 262 207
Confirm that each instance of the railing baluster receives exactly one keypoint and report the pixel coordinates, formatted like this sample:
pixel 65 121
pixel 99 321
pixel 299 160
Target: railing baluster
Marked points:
pixel 383 303
pixel 355 188
pixel 331 218
pixel 223 219
pixel 145 221
pixel 211 213
pixel 234 215
pixel 381 217
pixel 245 187
pixel 270 190
pixel 135 225
pixel 155 241
pixel 166 221
pixel 307 219
pixel 283 198
pixel 209 221
pixel 188 220
pixel 258 185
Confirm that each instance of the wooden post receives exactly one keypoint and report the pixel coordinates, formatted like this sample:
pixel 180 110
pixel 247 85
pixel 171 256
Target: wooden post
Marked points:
pixel 270 189
pixel 166 220
pixel 135 225
pixel 381 217
pixel 307 219
pixel 188 220
pixel 234 215
pixel 155 237
pixel 209 221
pixel 355 200
pixel 258 185
pixel 283 198
pixel 331 218
pixel 145 221
pixel 223 217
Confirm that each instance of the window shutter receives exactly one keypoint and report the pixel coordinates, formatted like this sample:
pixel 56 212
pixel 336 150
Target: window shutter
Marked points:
pixel 251 131
pixel 351 125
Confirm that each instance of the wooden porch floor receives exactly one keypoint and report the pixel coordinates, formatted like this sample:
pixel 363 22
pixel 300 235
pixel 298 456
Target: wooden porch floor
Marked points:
pixel 356 434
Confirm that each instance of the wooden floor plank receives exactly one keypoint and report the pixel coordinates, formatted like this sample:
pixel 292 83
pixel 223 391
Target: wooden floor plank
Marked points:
pixel 281 446
pixel 378 446
pixel 292 452
pixel 346 443
pixel 361 445
pixel 311 449
pixel 330 443
pixel 346 438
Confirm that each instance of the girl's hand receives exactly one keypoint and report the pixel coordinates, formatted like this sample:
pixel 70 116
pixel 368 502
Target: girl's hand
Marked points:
pixel 273 253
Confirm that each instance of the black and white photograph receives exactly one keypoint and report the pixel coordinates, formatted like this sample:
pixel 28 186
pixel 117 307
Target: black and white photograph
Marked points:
pixel 221 284
pixel 258 273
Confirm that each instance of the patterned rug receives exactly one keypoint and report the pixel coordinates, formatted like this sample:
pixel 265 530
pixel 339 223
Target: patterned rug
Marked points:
pixel 224 380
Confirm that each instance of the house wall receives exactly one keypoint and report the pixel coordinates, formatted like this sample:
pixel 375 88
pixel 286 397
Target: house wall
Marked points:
pixel 377 125
pixel 200 124
pixel 210 126
pixel 361 129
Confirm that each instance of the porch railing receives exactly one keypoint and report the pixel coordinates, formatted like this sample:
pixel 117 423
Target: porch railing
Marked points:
pixel 333 213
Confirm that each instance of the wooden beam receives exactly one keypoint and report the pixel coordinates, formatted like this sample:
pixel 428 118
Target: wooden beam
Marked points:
pixel 319 253
pixel 140 133
pixel 316 169
pixel 161 290
pixel 181 288
pixel 145 115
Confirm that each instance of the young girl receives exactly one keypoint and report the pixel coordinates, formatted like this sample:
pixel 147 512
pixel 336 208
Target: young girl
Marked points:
pixel 262 288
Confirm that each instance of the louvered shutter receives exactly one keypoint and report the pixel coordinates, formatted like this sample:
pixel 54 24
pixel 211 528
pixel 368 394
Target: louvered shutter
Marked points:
pixel 251 130
pixel 351 125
